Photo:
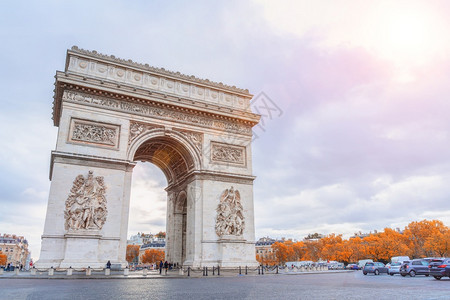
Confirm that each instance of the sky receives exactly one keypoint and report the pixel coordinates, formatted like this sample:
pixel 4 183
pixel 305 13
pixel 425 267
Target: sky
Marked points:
pixel 357 138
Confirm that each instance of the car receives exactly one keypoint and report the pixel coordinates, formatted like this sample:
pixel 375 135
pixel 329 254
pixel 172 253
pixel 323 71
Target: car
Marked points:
pixel 394 268
pixel 415 267
pixel 352 267
pixel 362 263
pixel 439 267
pixel 374 267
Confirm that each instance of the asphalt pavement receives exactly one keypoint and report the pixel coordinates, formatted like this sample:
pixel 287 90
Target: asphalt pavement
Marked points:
pixel 324 285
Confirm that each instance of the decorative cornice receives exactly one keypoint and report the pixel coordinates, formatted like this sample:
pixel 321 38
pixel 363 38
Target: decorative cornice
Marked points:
pixel 89 160
pixel 161 71
pixel 131 94
pixel 139 107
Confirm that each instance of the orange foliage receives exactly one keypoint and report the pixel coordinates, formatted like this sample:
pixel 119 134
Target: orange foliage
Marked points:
pixel 132 252
pixel 418 232
pixel 3 259
pixel 420 239
pixel 267 259
pixel 152 256
pixel 438 243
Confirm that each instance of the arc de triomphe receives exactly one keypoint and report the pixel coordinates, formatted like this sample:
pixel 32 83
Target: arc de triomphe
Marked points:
pixel 113 113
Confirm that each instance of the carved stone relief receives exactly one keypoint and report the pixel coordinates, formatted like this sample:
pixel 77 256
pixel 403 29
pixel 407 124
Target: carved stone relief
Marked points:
pixel 88 132
pixel 226 153
pixel 86 205
pixel 230 218
pixel 157 112
pixel 195 137
pixel 136 129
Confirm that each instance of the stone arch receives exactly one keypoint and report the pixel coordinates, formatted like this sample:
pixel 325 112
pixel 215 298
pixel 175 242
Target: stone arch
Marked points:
pixel 170 150
pixel 112 113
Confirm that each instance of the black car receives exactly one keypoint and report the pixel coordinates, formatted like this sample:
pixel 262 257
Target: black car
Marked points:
pixel 415 267
pixel 439 268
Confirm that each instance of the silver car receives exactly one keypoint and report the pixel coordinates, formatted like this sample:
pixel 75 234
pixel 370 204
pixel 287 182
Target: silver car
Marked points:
pixel 375 268
pixel 394 268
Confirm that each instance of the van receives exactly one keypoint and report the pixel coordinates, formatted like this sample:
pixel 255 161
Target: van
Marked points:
pixel 362 262
pixel 399 259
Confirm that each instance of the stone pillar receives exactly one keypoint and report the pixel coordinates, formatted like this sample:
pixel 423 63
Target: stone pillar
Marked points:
pixel 169 251
pixel 51 271
pixel 194 224
pixel 144 272
pixel 64 246
pixel 126 271
pixel 107 272
pixel 33 271
pixel 88 271
pixel 69 271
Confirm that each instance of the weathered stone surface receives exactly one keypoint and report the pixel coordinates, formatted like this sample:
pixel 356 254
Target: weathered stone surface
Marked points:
pixel 111 114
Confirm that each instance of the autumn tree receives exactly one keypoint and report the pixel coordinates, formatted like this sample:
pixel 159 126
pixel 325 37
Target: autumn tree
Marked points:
pixel 438 243
pixel 3 259
pixel 299 251
pixel 312 250
pixel 330 246
pixel 417 234
pixel 267 259
pixel 132 252
pixel 282 252
pixel 152 256
pixel 161 235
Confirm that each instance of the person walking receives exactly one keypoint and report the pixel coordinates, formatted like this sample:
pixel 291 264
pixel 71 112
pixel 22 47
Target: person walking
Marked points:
pixel 160 267
pixel 166 266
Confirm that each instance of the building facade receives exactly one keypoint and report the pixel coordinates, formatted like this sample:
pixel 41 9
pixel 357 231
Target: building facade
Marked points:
pixel 16 249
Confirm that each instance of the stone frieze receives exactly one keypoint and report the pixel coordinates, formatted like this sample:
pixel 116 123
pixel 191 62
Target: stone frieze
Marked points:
pixel 156 112
pixel 226 153
pixel 84 131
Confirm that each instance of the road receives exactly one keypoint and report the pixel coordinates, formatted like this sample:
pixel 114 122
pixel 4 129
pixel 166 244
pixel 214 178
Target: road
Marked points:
pixel 352 285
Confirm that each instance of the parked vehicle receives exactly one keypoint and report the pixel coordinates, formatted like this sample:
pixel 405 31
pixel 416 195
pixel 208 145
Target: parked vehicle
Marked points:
pixel 399 259
pixel 362 262
pixel 352 267
pixel 439 268
pixel 394 268
pixel 415 267
pixel 374 267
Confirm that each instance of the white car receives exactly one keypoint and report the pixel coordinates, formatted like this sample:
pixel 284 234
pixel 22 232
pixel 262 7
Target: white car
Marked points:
pixel 394 268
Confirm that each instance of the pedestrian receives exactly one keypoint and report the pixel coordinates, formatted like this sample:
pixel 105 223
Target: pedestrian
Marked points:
pixel 8 267
pixel 108 265
pixel 160 267
pixel 166 266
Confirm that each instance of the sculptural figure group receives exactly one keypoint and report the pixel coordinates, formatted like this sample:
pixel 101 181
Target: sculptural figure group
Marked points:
pixel 86 204
pixel 230 218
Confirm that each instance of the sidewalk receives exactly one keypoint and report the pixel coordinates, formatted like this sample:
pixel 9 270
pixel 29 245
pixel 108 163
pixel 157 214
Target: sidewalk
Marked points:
pixel 152 274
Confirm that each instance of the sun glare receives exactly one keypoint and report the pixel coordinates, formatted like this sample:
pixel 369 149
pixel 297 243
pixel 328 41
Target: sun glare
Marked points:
pixel 408 34
pixel 409 37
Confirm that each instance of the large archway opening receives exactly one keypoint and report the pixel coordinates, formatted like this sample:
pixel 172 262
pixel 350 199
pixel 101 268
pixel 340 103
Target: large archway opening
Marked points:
pixel 176 163
pixel 148 204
